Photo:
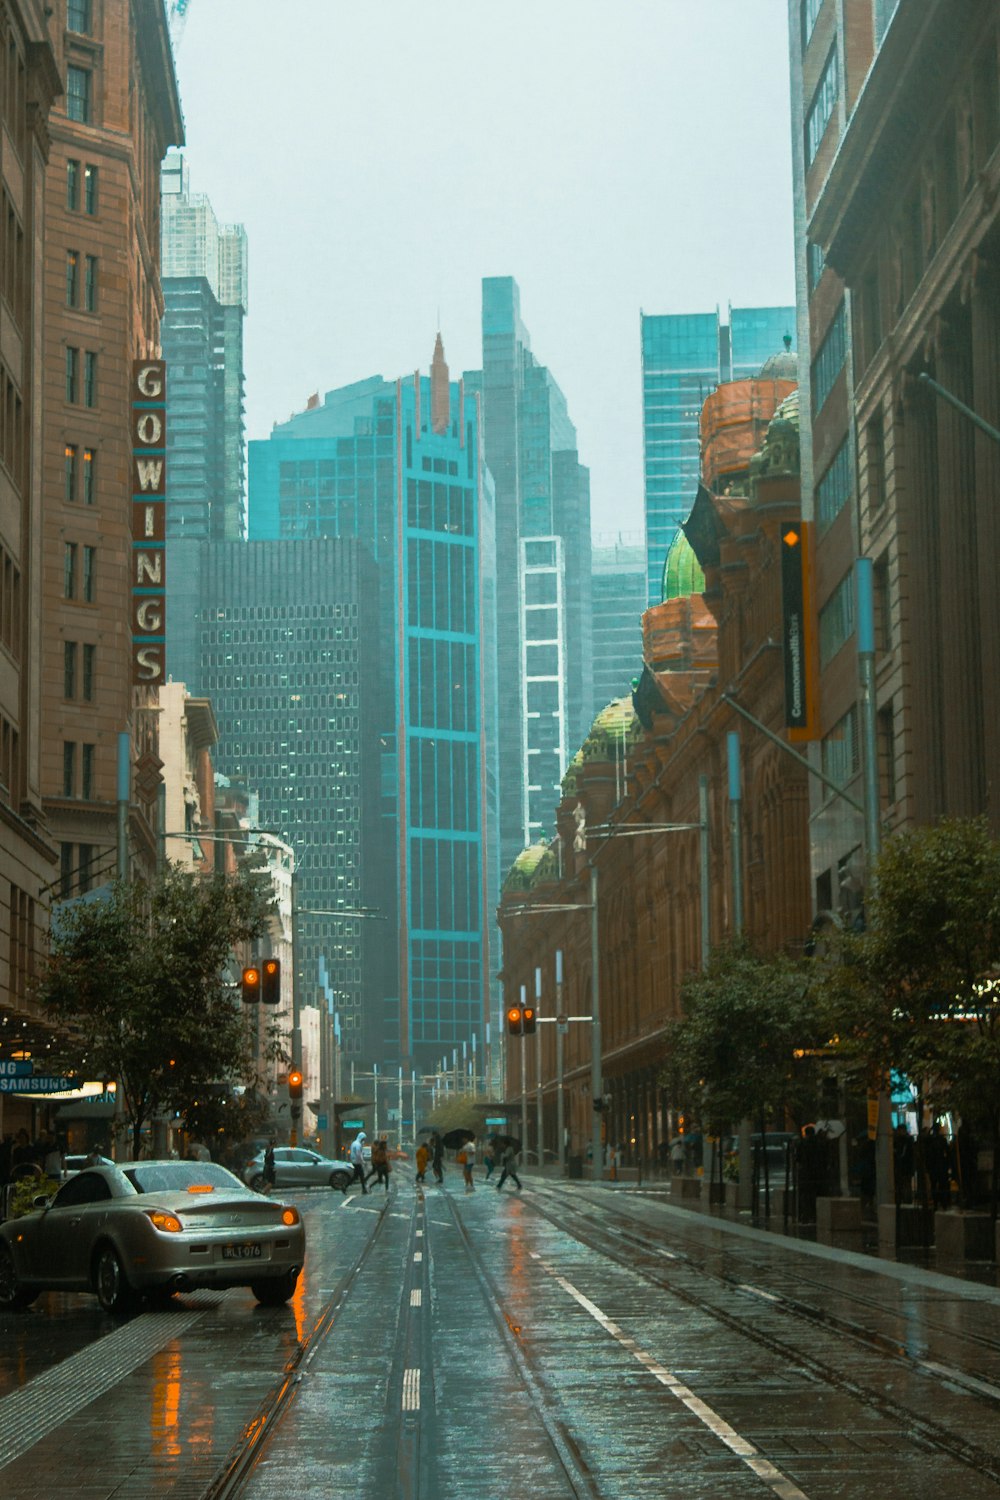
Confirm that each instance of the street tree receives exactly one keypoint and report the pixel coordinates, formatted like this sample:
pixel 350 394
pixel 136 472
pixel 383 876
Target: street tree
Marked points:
pixel 750 1040
pixel 919 990
pixel 140 980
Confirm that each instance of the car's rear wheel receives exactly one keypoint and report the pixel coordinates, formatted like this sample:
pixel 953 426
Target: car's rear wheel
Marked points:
pixel 275 1290
pixel 114 1292
pixel 13 1296
pixel 340 1180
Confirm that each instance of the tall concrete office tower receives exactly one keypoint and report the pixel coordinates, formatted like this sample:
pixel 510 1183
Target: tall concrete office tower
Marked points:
pixel 618 592
pixel 398 465
pixel 205 297
pixel 684 357
pixel 543 570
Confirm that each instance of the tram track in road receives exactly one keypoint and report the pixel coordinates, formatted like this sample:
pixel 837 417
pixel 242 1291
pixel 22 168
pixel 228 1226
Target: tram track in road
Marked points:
pixel 232 1478
pixel 642 1256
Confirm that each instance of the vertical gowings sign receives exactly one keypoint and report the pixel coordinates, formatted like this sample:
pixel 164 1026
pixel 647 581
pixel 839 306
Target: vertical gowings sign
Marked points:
pixel 149 499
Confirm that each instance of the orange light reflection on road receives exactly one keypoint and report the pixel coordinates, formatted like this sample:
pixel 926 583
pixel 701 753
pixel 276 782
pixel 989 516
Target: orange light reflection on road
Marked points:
pixel 164 1414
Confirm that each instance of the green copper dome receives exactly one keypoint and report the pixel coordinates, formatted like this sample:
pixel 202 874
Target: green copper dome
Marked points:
pixel 682 575
pixel 532 865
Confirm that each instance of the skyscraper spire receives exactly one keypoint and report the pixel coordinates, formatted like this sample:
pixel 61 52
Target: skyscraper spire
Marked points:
pixel 440 391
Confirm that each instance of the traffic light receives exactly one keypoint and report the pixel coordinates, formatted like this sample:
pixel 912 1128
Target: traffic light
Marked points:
pixel 270 981
pixel 295 1092
pixel 515 1021
pixel 529 1020
pixel 251 985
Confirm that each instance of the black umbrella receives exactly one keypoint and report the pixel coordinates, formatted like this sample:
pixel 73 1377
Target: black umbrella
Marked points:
pixel 455 1139
pixel 503 1141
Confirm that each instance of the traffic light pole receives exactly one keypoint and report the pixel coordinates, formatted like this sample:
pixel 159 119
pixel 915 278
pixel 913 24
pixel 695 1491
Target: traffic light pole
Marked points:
pixel 596 1088
pixel 560 1089
pixel 293 1134
pixel 539 1111
pixel 524 1083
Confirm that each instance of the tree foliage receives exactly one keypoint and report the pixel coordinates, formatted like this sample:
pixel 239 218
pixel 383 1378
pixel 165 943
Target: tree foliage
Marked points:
pixel 748 1043
pixel 140 979
pixel 919 989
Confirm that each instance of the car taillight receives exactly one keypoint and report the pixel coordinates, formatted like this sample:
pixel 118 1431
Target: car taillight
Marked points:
pixel 290 1216
pixel 169 1223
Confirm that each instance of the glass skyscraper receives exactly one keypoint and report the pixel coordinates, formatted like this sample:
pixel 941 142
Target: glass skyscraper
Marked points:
pixel 543 570
pixel 618 588
pixel 684 357
pixel 205 302
pixel 399 467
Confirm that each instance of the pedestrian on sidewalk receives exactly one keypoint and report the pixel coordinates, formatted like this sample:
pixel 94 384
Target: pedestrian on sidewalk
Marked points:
pixel 358 1160
pixel 489 1158
pixel 423 1157
pixel 508 1164
pixel 270 1172
pixel 467 1157
pixel 437 1159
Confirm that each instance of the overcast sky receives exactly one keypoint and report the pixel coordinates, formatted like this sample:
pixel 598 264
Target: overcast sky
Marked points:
pixel 385 155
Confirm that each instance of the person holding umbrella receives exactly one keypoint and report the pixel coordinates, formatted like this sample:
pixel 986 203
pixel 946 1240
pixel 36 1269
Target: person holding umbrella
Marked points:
pixel 437 1159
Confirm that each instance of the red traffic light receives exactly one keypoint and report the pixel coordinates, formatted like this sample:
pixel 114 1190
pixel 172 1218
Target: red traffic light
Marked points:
pixel 251 985
pixel 270 985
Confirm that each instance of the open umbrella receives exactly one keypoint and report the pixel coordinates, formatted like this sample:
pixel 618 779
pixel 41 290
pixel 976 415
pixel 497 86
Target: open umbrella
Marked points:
pixel 455 1139
pixel 503 1141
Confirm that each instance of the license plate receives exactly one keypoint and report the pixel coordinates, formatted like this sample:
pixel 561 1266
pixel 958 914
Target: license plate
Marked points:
pixel 241 1252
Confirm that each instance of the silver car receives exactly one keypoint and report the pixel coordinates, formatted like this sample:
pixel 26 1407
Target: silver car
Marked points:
pixel 297 1166
pixel 153 1228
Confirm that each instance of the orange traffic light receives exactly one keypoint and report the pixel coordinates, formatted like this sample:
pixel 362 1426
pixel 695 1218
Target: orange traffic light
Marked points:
pixel 251 985
pixel 295 1084
pixel 270 982
pixel 514 1022
pixel 529 1020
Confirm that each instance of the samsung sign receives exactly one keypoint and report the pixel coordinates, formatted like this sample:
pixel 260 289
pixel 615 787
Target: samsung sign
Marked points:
pixel 149 500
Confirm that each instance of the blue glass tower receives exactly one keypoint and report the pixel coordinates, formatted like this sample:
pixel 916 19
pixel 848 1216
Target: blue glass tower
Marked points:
pixel 399 466
pixel 684 357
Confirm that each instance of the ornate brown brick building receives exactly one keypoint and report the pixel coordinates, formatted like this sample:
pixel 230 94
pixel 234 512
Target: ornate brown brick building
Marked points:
pixel 119 113
pixel 644 765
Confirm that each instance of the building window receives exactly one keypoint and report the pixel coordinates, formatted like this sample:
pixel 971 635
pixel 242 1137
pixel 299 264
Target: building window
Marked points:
pixel 69 669
pixel 881 606
pixel 875 460
pixel 815 264
pixel 87 773
pixel 829 361
pixel 69 571
pixel 78 16
pixel 89 574
pixel 89 669
pixel 810 10
pixel 822 107
pixel 841 750
pixel 73 186
pixel 65 869
pixel 78 94
pixel 72 374
pixel 836 620
pixel 69 472
pixel 89 378
pixel 90 283
pixel 69 768
pixel 834 489
pixel 72 278
pixel 90 189
pixel 84 867
pixel 89 475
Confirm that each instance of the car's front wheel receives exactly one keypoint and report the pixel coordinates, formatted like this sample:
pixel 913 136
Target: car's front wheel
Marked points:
pixel 340 1181
pixel 275 1290
pixel 13 1296
pixel 114 1292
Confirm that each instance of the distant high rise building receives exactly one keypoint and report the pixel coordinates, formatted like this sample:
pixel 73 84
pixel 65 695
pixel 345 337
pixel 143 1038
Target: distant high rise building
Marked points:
pixel 543 569
pixel 282 638
pixel 399 466
pixel 618 599
pixel 684 357
pixel 205 296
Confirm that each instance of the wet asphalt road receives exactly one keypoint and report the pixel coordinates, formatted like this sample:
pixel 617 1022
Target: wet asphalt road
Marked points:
pixel 565 1341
